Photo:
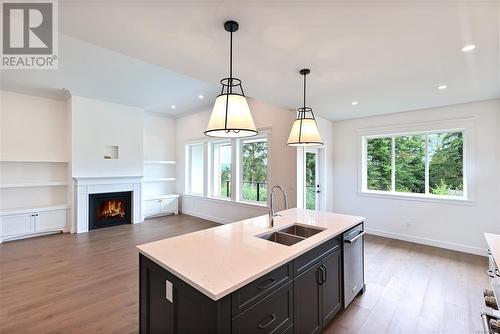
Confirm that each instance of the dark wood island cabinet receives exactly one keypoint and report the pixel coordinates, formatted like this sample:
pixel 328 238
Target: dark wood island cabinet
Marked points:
pixel 301 296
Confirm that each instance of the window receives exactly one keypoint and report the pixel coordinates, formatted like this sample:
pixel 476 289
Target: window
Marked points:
pixel 195 169
pixel 254 170
pixel 221 177
pixel 429 163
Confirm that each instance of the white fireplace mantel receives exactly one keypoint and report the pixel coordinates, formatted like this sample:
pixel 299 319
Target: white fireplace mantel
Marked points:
pixel 84 186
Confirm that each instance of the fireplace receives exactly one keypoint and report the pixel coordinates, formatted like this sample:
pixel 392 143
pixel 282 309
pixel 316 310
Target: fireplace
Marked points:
pixel 109 209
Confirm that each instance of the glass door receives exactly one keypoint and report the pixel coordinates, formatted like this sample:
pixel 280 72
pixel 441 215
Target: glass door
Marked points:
pixel 311 180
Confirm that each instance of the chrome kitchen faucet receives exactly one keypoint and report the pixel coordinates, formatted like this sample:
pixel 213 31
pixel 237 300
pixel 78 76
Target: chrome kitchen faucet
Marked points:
pixel 273 214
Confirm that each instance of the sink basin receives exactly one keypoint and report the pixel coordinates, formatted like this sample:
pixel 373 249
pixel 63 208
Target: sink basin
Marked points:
pixel 281 238
pixel 291 234
pixel 301 230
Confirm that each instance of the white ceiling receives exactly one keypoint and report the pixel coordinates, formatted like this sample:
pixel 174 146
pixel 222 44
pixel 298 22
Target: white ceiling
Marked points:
pixel 388 56
pixel 88 70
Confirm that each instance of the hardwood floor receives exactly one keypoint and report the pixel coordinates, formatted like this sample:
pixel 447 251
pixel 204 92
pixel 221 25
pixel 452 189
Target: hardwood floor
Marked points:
pixel 88 283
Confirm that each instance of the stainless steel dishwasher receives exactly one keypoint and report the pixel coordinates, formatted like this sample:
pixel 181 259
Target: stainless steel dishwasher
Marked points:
pixel 354 276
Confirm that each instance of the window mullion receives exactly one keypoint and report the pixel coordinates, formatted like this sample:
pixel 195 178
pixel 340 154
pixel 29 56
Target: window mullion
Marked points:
pixel 393 164
pixel 234 169
pixel 427 164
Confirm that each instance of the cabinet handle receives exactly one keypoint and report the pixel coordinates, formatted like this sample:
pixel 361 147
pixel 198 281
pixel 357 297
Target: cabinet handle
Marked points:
pixel 266 284
pixel 262 326
pixel 349 241
pixel 323 270
pixel 319 273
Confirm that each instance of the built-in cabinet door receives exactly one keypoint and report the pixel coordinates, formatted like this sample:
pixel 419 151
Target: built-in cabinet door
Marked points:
pixel 169 205
pixel 331 298
pixel 307 301
pixel 151 207
pixel 17 225
pixel 52 220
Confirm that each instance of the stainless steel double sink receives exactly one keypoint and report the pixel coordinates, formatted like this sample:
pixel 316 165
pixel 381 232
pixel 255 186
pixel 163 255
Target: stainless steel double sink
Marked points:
pixel 290 235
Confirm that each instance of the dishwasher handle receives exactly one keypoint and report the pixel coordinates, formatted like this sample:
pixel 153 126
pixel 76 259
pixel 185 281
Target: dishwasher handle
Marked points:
pixel 350 241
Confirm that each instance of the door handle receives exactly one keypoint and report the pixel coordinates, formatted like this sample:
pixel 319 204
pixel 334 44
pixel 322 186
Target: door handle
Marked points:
pixel 262 326
pixel 350 241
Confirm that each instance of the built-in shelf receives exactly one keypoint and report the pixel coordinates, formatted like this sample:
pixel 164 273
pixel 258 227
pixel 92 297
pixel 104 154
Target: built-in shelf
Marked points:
pixel 18 211
pixel 160 162
pixel 33 184
pixel 161 196
pixel 36 161
pixel 158 179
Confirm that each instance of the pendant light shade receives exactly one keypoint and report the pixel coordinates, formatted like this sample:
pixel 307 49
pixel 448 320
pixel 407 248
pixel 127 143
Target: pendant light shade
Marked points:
pixel 231 115
pixel 304 129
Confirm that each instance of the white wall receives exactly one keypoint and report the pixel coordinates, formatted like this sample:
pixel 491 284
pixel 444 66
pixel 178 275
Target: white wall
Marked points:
pixel 32 128
pixel 96 124
pixel 455 226
pixel 159 137
pixel 282 161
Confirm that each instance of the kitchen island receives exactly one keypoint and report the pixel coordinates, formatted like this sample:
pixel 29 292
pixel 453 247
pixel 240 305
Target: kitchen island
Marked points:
pixel 243 278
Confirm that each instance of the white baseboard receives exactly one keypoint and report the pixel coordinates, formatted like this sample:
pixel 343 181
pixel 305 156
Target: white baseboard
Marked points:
pixel 429 242
pixel 207 217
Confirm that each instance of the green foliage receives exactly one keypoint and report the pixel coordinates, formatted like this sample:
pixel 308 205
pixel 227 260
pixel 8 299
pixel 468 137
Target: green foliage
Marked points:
pixel 445 152
pixel 255 170
pixel 446 164
pixel 379 164
pixel 310 198
pixel 250 192
pixel 310 180
pixel 410 164
pixel 225 187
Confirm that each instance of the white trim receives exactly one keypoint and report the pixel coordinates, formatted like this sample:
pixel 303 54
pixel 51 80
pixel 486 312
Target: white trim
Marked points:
pixel 429 242
pixel 162 162
pixel 34 184
pixel 206 217
pixel 228 201
pixel 464 125
pixel 18 211
pixel 416 197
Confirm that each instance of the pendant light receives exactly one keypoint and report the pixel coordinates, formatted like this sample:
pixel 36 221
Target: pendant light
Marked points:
pixel 304 129
pixel 231 115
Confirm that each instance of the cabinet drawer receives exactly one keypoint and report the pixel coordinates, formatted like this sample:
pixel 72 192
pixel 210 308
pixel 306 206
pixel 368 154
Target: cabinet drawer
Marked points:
pixel 258 289
pixel 314 255
pixel 273 314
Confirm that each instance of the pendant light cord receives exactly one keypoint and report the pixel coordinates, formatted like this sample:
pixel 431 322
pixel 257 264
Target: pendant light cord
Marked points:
pixel 231 63
pixel 304 94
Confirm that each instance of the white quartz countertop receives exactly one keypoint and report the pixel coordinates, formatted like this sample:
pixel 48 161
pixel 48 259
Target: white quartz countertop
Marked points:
pixel 222 259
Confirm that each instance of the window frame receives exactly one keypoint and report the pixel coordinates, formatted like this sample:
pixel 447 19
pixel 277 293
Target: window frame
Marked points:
pixel 211 170
pixel 239 193
pixel 236 168
pixel 465 125
pixel 188 185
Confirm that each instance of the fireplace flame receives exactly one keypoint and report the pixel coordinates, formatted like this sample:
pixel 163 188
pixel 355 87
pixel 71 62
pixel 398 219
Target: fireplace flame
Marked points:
pixel 112 209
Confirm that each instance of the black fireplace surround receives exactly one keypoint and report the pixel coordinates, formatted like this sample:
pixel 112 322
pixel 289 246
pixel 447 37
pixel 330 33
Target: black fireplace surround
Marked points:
pixel 110 209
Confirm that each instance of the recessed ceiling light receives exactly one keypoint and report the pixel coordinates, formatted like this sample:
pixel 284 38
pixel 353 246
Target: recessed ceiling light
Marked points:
pixel 442 87
pixel 468 48
pixel 173 107
pixel 354 103
pixel 200 97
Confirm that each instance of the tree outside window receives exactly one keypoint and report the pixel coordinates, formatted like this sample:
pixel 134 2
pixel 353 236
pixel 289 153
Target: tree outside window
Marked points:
pixel 406 171
pixel 254 170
